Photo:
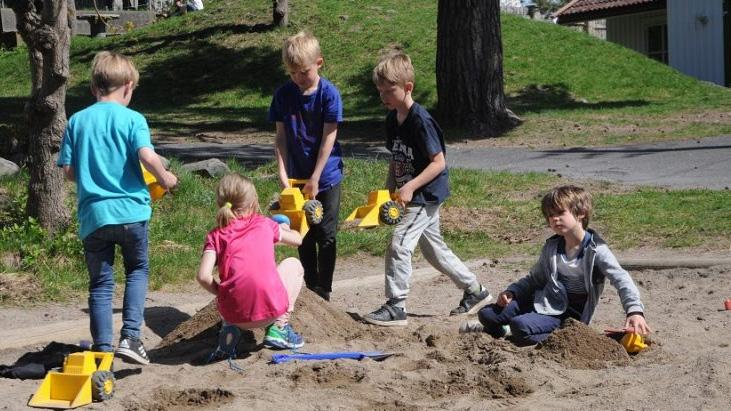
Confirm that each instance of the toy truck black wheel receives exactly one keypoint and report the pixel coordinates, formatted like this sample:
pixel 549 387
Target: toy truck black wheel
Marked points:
pixel 313 211
pixel 102 385
pixel 391 213
pixel 273 206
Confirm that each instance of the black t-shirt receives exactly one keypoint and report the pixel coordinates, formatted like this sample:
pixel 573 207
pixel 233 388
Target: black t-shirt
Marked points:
pixel 412 145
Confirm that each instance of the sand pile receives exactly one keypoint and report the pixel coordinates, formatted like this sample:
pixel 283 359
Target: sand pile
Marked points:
pixel 315 319
pixel 576 345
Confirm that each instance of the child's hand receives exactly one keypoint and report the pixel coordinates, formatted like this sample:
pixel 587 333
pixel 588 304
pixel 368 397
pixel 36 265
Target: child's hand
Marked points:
pixel 169 181
pixel 638 324
pixel 504 298
pixel 311 189
pixel 405 194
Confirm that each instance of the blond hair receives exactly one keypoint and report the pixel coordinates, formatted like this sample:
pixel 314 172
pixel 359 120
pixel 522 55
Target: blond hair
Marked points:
pixel 110 71
pixel 300 50
pixel 569 197
pixel 394 67
pixel 236 197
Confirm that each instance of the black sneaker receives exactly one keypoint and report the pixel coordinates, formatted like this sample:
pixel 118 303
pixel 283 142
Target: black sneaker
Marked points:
pixel 387 316
pixel 472 302
pixel 131 350
pixel 325 295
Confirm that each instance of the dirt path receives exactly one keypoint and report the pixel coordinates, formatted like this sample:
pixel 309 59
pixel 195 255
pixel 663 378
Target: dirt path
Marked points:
pixel 687 367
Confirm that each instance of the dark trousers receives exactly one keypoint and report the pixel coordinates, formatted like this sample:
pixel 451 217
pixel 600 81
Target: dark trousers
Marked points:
pixel 527 326
pixel 318 249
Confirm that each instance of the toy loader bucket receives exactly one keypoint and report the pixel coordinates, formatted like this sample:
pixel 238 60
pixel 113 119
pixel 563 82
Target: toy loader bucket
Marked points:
pixel 633 343
pixel 156 190
pixel 301 212
pixel 72 387
pixel 59 390
pixel 297 221
pixel 369 214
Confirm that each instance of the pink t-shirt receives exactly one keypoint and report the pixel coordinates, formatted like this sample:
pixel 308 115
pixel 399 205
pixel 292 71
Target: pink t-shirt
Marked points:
pixel 250 289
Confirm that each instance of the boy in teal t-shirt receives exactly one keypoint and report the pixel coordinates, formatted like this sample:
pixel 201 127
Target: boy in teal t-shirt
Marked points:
pixel 101 152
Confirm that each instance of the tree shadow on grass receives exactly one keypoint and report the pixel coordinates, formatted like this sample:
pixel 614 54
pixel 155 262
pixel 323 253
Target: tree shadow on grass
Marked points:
pixel 536 98
pixel 190 67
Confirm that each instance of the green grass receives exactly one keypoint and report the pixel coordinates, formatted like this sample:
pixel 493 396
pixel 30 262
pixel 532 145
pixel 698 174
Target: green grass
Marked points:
pixel 215 71
pixel 489 215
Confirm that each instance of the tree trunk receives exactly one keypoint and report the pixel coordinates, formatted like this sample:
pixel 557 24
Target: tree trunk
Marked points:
pixel 44 27
pixel 470 68
pixel 280 12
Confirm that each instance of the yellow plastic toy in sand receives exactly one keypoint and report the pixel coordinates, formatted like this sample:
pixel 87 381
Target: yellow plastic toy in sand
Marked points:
pixel 381 208
pixel 86 377
pixel 301 213
pixel 633 342
pixel 156 190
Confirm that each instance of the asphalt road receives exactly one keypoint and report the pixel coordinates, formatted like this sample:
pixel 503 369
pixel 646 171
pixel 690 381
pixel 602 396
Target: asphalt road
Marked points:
pixel 704 163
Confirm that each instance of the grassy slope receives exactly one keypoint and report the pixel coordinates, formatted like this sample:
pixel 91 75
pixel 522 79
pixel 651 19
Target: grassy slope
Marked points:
pixel 216 70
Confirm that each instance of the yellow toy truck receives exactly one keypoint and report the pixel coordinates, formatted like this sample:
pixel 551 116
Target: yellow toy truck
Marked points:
pixel 382 208
pixel 87 376
pixel 301 213
pixel 156 190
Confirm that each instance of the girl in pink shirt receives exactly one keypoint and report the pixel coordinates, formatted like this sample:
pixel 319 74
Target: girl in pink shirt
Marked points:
pixel 252 290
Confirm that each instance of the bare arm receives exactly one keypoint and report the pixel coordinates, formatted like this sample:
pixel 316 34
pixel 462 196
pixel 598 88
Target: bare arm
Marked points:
pixel 289 236
pixel 329 135
pixel 280 152
pixel 68 172
pixel 152 163
pixel 205 272
pixel 436 166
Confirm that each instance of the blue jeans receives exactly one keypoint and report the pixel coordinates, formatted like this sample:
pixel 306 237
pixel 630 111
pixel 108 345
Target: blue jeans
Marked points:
pixel 527 326
pixel 99 248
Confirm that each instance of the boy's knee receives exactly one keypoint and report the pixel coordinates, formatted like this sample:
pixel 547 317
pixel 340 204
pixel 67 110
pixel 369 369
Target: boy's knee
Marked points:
pixel 519 327
pixel 488 315
pixel 396 249
pixel 294 265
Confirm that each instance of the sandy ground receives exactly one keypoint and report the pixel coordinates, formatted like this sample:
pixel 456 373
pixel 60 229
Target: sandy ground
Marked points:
pixel 688 364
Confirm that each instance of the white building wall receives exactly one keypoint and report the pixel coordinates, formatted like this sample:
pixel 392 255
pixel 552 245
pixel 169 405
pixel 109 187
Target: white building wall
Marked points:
pixel 695 38
pixel 631 30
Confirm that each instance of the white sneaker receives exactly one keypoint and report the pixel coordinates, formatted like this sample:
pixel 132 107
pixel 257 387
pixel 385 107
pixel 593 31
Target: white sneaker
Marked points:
pixel 471 326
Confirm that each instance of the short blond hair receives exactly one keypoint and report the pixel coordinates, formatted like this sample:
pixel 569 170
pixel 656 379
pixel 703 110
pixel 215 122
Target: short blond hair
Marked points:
pixel 301 50
pixel 236 196
pixel 110 71
pixel 569 197
pixel 394 67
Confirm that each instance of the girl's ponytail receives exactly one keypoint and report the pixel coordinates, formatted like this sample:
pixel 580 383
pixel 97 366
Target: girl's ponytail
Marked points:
pixel 225 215
pixel 236 197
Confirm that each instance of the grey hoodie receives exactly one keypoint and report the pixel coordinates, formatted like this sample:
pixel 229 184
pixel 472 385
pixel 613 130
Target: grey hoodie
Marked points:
pixel 599 264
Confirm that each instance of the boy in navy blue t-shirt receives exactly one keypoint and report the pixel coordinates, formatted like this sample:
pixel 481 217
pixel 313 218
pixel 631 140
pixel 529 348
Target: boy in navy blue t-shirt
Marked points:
pixel 418 172
pixel 307 110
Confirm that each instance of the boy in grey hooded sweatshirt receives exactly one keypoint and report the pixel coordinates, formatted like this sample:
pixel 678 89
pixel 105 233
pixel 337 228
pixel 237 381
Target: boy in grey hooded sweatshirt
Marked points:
pixel 566 281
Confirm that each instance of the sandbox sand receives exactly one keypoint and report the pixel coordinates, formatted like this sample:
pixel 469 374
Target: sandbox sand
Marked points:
pixel 687 365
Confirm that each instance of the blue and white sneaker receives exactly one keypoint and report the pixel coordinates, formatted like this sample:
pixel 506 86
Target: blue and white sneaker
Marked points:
pixel 283 338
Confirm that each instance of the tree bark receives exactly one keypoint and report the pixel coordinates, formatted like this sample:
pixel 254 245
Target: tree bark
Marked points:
pixel 44 27
pixel 280 10
pixel 470 68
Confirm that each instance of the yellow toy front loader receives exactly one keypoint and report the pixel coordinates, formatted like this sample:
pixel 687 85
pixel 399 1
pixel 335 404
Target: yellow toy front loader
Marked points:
pixel 86 377
pixel 302 214
pixel 381 208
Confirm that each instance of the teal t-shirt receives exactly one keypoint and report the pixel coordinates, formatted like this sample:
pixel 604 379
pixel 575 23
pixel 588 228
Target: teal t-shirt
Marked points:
pixel 101 144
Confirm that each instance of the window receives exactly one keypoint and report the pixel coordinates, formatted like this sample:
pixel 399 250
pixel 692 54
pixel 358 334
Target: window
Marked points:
pixel 657 42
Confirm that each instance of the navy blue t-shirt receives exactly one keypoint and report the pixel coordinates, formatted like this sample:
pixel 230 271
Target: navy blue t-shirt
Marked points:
pixel 412 145
pixel 304 118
